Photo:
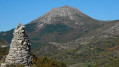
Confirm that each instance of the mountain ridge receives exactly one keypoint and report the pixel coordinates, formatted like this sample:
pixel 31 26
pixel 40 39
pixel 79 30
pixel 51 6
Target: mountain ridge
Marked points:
pixel 69 12
pixel 67 17
pixel 65 33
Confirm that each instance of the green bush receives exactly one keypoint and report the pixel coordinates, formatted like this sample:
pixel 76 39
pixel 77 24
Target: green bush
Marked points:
pixel 45 62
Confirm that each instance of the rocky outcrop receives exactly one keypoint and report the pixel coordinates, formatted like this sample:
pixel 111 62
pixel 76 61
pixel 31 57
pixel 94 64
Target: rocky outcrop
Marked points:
pixel 19 52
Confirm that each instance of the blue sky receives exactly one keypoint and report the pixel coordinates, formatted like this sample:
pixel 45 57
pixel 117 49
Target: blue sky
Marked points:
pixel 24 11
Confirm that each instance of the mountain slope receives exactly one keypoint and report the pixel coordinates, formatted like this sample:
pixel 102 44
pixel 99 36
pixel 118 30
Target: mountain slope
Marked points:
pixel 65 33
pixel 59 24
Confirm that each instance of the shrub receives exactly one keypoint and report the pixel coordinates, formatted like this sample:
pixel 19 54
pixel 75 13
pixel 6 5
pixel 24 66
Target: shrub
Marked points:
pixel 45 62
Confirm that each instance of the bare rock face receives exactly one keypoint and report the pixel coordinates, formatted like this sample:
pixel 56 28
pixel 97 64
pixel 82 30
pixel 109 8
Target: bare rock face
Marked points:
pixel 19 52
pixel 57 15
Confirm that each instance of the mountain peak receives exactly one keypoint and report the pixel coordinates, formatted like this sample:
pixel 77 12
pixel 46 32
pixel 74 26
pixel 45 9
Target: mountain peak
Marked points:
pixel 63 15
pixel 63 12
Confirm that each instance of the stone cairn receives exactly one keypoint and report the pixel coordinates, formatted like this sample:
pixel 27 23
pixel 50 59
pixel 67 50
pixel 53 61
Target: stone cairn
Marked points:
pixel 19 52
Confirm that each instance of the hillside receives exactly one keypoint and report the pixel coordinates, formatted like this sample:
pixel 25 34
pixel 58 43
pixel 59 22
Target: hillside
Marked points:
pixel 67 34
pixel 64 23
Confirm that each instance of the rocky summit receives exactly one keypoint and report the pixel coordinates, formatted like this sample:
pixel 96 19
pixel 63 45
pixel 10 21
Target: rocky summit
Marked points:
pixel 67 34
pixel 59 24
pixel 19 52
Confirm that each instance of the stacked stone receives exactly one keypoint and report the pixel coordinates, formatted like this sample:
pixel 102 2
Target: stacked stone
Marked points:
pixel 19 52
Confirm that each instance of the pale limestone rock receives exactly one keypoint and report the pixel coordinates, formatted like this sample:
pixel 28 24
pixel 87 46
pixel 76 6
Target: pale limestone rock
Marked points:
pixel 3 65
pixel 19 52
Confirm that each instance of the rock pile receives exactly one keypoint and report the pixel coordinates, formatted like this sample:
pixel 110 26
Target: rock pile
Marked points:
pixel 19 52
